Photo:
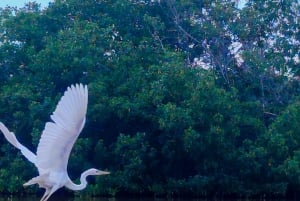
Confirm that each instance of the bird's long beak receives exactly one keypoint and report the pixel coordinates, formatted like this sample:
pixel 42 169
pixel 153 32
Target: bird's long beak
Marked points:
pixel 100 172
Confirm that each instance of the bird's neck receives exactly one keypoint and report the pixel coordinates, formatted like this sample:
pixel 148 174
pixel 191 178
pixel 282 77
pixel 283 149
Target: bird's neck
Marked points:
pixel 78 187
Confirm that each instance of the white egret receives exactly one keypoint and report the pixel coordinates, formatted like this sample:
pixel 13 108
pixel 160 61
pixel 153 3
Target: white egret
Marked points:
pixel 56 142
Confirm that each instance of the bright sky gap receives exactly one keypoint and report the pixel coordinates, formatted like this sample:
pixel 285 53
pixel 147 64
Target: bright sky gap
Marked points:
pixel 44 3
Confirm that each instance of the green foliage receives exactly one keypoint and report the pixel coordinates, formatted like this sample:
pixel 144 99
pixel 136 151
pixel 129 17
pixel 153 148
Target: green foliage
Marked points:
pixel 174 108
pixel 283 145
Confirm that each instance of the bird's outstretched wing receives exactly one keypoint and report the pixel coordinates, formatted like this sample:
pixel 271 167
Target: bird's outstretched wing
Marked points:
pixel 11 138
pixel 60 135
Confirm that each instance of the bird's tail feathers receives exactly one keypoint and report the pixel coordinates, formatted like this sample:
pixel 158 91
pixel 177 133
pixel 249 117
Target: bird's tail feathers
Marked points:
pixel 34 180
pixel 11 138
pixel 37 180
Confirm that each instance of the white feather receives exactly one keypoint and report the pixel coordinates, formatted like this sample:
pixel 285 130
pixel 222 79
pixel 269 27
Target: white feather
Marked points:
pixel 60 135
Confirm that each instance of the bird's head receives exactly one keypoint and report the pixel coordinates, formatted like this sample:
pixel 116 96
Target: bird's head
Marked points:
pixel 94 171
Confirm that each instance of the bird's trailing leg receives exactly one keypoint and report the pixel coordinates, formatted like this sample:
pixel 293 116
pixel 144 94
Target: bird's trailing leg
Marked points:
pixel 48 192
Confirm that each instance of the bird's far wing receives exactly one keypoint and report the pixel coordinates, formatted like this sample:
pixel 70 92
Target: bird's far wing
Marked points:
pixel 60 135
pixel 11 138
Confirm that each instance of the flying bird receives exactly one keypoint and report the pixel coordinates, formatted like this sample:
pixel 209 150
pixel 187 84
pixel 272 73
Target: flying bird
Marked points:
pixel 56 143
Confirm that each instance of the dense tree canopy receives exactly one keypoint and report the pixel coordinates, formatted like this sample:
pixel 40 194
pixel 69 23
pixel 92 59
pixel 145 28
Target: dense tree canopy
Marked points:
pixel 186 98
